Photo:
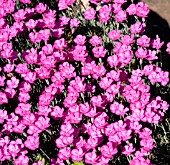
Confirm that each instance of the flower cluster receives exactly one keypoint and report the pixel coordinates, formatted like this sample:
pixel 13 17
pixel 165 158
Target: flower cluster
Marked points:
pixel 94 92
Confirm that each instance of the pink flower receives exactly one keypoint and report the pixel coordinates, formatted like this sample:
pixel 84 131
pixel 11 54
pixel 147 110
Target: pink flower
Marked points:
pixel 13 83
pixel 64 153
pixel 91 157
pixel 23 109
pixel 28 119
pixel 77 155
pixel 31 24
pixel 116 7
pixel 143 41
pixel 43 110
pixel 120 1
pixel 60 44
pixel 118 109
pixel 31 56
pixel 127 40
pixel 8 68
pixel 21 160
pixel 157 44
pixel 30 77
pixel 59 142
pixel 80 40
pixel 109 150
pixel 19 15
pixel 104 13
pixel 23 97
pixel 128 149
pixel 22 68
pixel 40 8
pixel 74 23
pixel 120 16
pixel 15 147
pixel 3 98
pixel 63 4
pixel 25 87
pixel 3 115
pixel 32 142
pixel 2 79
pixel 10 92
pixel 38 163
pixel 43 123
pixel 99 51
pixel 19 128
pixel 131 10
pixel 64 20
pixel 168 48
pixel 147 143
pixel 89 14
pixel 66 129
pixel 95 40
pixel 114 34
pixel 138 27
pixel 33 130
pixel 142 9
pixel 101 120
pixel 25 1
pixel 79 142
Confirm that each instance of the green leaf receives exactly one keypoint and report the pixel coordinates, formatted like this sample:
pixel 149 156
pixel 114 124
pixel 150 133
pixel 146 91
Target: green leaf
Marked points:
pixel 78 163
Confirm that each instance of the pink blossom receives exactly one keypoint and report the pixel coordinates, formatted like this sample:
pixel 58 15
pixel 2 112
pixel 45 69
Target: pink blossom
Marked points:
pixel 65 153
pixel 157 44
pixel 77 154
pixel 91 157
pixel 120 16
pixel 99 51
pixel 128 149
pixel 43 123
pixel 63 4
pixel 2 81
pixel 74 23
pixel 143 41
pixel 31 24
pixel 40 8
pixel 22 159
pixel 8 68
pixel 109 150
pixel 131 10
pixel 104 13
pixel 3 98
pixel 142 9
pixel 95 40
pixel 33 130
pixel 64 20
pixel 10 92
pixel 28 119
pixel 66 129
pixel 32 142
pixel 80 40
pixel 13 83
pixel 168 48
pixel 138 27
pixel 19 15
pixel 23 97
pixel 24 86
pixel 25 1
pixel 89 14
pixel 114 34
pixel 3 115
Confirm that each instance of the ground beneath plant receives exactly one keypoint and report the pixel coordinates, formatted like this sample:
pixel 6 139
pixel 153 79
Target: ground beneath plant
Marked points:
pixel 161 7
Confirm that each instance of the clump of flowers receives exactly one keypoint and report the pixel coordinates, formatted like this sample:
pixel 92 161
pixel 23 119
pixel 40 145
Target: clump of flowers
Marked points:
pixel 75 85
